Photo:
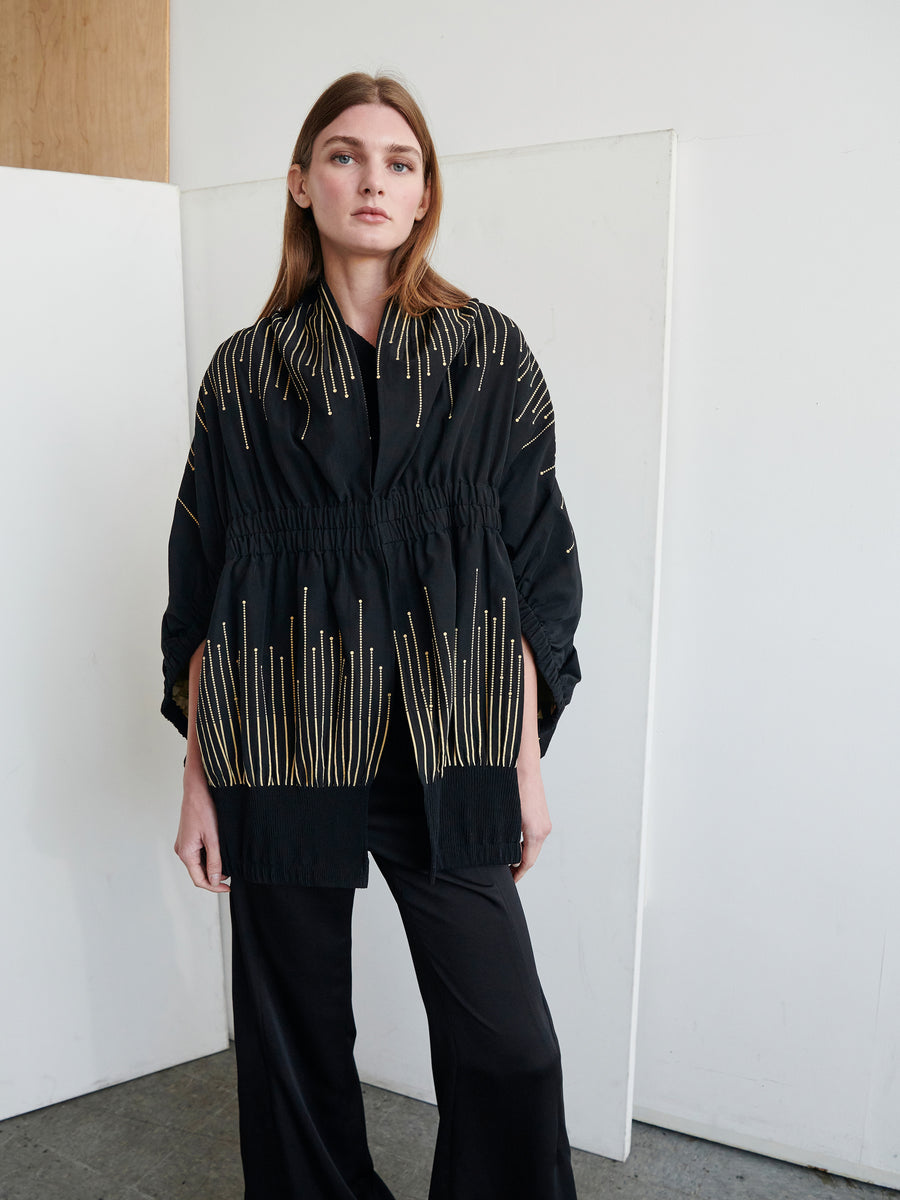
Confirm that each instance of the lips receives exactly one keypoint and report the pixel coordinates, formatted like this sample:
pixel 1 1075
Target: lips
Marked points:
pixel 369 211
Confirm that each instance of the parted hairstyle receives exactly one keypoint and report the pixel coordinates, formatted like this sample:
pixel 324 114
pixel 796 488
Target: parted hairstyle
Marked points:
pixel 413 283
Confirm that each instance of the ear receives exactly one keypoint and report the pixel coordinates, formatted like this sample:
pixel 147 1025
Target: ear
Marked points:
pixel 297 185
pixel 426 200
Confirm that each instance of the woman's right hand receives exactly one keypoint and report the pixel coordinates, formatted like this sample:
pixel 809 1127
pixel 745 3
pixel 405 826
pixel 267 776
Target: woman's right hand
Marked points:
pixel 197 843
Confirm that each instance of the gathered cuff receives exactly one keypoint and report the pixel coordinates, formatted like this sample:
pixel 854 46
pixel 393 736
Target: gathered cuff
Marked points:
pixel 177 652
pixel 554 692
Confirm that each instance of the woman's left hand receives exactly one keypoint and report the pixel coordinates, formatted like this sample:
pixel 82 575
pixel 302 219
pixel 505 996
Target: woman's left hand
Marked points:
pixel 536 824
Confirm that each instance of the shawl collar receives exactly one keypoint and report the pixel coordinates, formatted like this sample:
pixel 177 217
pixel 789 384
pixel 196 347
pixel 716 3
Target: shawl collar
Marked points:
pixel 413 357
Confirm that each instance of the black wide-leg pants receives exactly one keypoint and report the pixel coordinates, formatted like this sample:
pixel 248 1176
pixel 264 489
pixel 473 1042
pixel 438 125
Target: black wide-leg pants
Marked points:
pixel 495 1056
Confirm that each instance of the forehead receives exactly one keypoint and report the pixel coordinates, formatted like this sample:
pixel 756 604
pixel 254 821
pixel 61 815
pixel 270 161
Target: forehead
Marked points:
pixel 374 124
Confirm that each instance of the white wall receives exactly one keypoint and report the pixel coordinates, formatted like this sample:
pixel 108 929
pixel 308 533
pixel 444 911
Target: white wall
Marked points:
pixel 112 962
pixel 770 986
pixel 771 952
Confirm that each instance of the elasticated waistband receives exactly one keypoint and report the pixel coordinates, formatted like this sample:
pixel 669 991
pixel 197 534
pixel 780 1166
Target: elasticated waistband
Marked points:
pixel 400 515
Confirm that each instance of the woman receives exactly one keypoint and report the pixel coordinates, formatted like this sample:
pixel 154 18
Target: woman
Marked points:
pixel 373 593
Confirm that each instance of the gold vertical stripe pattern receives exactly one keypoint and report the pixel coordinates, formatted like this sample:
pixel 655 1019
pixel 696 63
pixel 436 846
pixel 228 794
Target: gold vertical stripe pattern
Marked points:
pixel 317 351
pixel 314 719
pixel 461 713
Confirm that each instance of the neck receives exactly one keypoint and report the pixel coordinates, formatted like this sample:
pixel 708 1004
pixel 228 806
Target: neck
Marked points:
pixel 358 287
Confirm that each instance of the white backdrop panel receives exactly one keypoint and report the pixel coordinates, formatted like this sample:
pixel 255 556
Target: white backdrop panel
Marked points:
pixel 770 984
pixel 112 961
pixel 584 273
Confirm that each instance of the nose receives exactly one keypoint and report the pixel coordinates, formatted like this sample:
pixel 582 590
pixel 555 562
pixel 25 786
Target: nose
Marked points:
pixel 369 184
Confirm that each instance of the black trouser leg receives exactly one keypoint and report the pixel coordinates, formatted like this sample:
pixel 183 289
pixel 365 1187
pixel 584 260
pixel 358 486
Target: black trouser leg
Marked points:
pixel 495 1055
pixel 302 1122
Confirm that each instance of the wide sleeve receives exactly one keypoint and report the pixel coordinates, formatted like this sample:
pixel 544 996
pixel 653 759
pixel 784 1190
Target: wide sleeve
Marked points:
pixel 541 545
pixel 196 555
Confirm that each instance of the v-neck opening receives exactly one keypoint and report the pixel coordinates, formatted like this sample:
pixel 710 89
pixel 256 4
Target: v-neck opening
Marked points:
pixel 365 355
pixel 372 345
pixel 413 357
pixel 353 338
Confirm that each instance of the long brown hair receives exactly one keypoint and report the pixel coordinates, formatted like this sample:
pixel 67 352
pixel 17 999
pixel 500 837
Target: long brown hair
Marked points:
pixel 413 283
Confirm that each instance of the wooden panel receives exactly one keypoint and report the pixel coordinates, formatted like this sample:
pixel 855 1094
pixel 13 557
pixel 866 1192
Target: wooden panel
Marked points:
pixel 84 86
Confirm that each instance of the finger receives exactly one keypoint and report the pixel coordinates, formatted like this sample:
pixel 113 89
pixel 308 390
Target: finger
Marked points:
pixel 530 851
pixel 213 863
pixel 214 867
pixel 192 859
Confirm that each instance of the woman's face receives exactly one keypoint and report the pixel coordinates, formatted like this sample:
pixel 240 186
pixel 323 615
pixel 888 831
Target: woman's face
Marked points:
pixel 365 183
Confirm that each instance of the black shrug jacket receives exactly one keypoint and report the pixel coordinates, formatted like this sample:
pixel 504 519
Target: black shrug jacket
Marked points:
pixel 337 590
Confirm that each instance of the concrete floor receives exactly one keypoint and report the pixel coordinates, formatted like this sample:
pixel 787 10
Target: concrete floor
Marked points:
pixel 174 1135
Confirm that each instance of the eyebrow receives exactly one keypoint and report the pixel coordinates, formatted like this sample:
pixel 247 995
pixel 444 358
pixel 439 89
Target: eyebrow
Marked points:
pixel 393 148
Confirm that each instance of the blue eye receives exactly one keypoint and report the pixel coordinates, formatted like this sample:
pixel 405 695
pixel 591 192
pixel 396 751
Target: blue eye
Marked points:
pixel 404 167
pixel 341 154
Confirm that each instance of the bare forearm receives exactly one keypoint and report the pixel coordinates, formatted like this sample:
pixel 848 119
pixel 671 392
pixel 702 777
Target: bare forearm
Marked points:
pixel 193 767
pixel 535 816
pixel 197 842
pixel 529 749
